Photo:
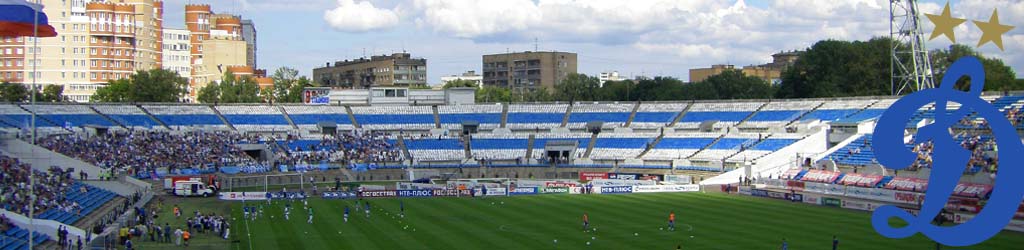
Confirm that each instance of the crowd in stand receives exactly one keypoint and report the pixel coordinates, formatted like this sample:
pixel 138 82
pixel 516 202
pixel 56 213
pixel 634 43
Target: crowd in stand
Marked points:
pixel 5 223
pixel 50 188
pixel 353 146
pixel 977 145
pixel 148 150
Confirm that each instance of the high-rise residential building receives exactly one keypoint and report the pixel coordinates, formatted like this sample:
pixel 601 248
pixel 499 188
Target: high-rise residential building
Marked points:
pixel 607 76
pixel 218 43
pixel 97 41
pixel 523 71
pixel 176 52
pixel 396 70
pixel 249 35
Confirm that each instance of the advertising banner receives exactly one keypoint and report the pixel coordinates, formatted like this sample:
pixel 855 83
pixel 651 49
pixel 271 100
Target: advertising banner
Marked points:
pixel 774 183
pixel 972 190
pixel 795 185
pixel 821 176
pixel 616 182
pixel 560 184
pixel 744 190
pixel 287 195
pixel 239 196
pixel 812 198
pixel 759 193
pixel 378 193
pixel 822 188
pixel 338 195
pixel 554 190
pixel 860 180
pixel 666 188
pixel 496 192
pixel 832 202
pixel 907 184
pixel 522 190
pixel 589 176
pixel 858 205
pixel 451 192
pixel 617 189
pixel 618 176
pixel 415 193
pixel 678 178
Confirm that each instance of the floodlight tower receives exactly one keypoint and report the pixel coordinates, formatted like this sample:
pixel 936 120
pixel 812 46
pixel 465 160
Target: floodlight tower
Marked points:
pixel 911 66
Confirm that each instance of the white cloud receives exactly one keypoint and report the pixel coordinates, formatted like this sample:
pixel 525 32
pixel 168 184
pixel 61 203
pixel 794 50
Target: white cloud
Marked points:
pixel 362 16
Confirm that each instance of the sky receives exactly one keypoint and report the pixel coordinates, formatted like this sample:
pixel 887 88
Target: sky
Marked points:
pixel 635 37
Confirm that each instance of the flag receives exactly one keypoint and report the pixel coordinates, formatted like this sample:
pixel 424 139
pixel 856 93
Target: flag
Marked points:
pixel 17 18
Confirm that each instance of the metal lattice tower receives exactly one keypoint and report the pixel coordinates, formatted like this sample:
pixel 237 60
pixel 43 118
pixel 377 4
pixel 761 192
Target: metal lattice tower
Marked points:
pixel 911 65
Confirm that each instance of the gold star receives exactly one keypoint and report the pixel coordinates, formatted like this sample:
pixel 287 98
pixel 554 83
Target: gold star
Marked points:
pixel 992 31
pixel 944 24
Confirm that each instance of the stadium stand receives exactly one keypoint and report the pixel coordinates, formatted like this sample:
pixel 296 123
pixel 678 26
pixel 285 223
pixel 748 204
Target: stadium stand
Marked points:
pixel 128 115
pixel 15 117
pixel 69 115
pixel 306 117
pixel 254 117
pixel 488 115
pixel 185 115
pixel 613 115
pixel 524 116
pixel 394 117
pixel 654 115
pixel 727 114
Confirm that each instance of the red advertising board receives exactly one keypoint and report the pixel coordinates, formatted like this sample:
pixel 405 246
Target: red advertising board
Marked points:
pixel 908 184
pixel 589 176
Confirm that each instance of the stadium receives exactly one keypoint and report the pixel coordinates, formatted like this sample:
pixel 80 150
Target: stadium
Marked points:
pixel 174 138
pixel 509 176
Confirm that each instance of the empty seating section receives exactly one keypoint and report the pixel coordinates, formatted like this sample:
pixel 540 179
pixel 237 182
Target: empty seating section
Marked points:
pixel 254 117
pixel 499 147
pixel 16 238
pixel 452 116
pixel 499 143
pixel 773 144
pixel 653 115
pixel 184 115
pixel 536 116
pixel 14 116
pixel 306 117
pixel 866 114
pixel 857 153
pixel 613 115
pixel 678 147
pixel 781 111
pixel 834 110
pixel 582 139
pixel 500 154
pixel 726 114
pixel 90 200
pixel 394 117
pixel 432 149
pixel 127 115
pixel 69 115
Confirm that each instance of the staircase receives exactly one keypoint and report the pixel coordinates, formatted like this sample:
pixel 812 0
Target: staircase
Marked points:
pixel 222 119
pixel 753 113
pixel 468 147
pixel 632 115
pixel 352 117
pixel 107 117
pixel 708 146
pixel 651 146
pixel 504 115
pixel 590 146
pixel 151 116
pixel 288 118
pixel 437 117
pixel 401 145
pixel 801 117
pixel 529 146
pixel 681 114
pixel 565 118
pixel 747 147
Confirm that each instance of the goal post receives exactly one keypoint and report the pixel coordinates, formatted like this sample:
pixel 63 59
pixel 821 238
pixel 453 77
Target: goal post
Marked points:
pixel 266 181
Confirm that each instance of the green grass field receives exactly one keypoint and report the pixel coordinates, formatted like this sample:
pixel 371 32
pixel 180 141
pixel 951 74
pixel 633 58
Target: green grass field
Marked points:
pixel 634 221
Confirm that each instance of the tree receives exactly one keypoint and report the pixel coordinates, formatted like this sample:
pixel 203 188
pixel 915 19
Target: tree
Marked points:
pixel 577 87
pixel 833 68
pixel 733 84
pixel 13 92
pixel 998 76
pixel 490 94
pixel 458 83
pixel 155 85
pixel 53 93
pixel 538 95
pixel 231 89
pixel 617 91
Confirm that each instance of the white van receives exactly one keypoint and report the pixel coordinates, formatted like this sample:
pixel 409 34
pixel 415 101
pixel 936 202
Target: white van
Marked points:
pixel 192 188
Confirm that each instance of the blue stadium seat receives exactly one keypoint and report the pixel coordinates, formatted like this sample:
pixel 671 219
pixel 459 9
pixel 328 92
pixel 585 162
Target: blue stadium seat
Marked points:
pixel 426 144
pixel 134 120
pixel 730 143
pixel 610 117
pixel 256 119
pixel 395 119
pixel 481 118
pixel 725 116
pixel 78 119
pixel 499 143
pixel 189 120
pixel 306 119
pixel 775 116
pixel 659 117
pixel 683 143
pixel 624 143
pixel 829 114
pixel 535 117
pixel 773 144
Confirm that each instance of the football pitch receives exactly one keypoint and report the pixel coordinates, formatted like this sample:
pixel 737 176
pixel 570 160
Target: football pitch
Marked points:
pixel 631 221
